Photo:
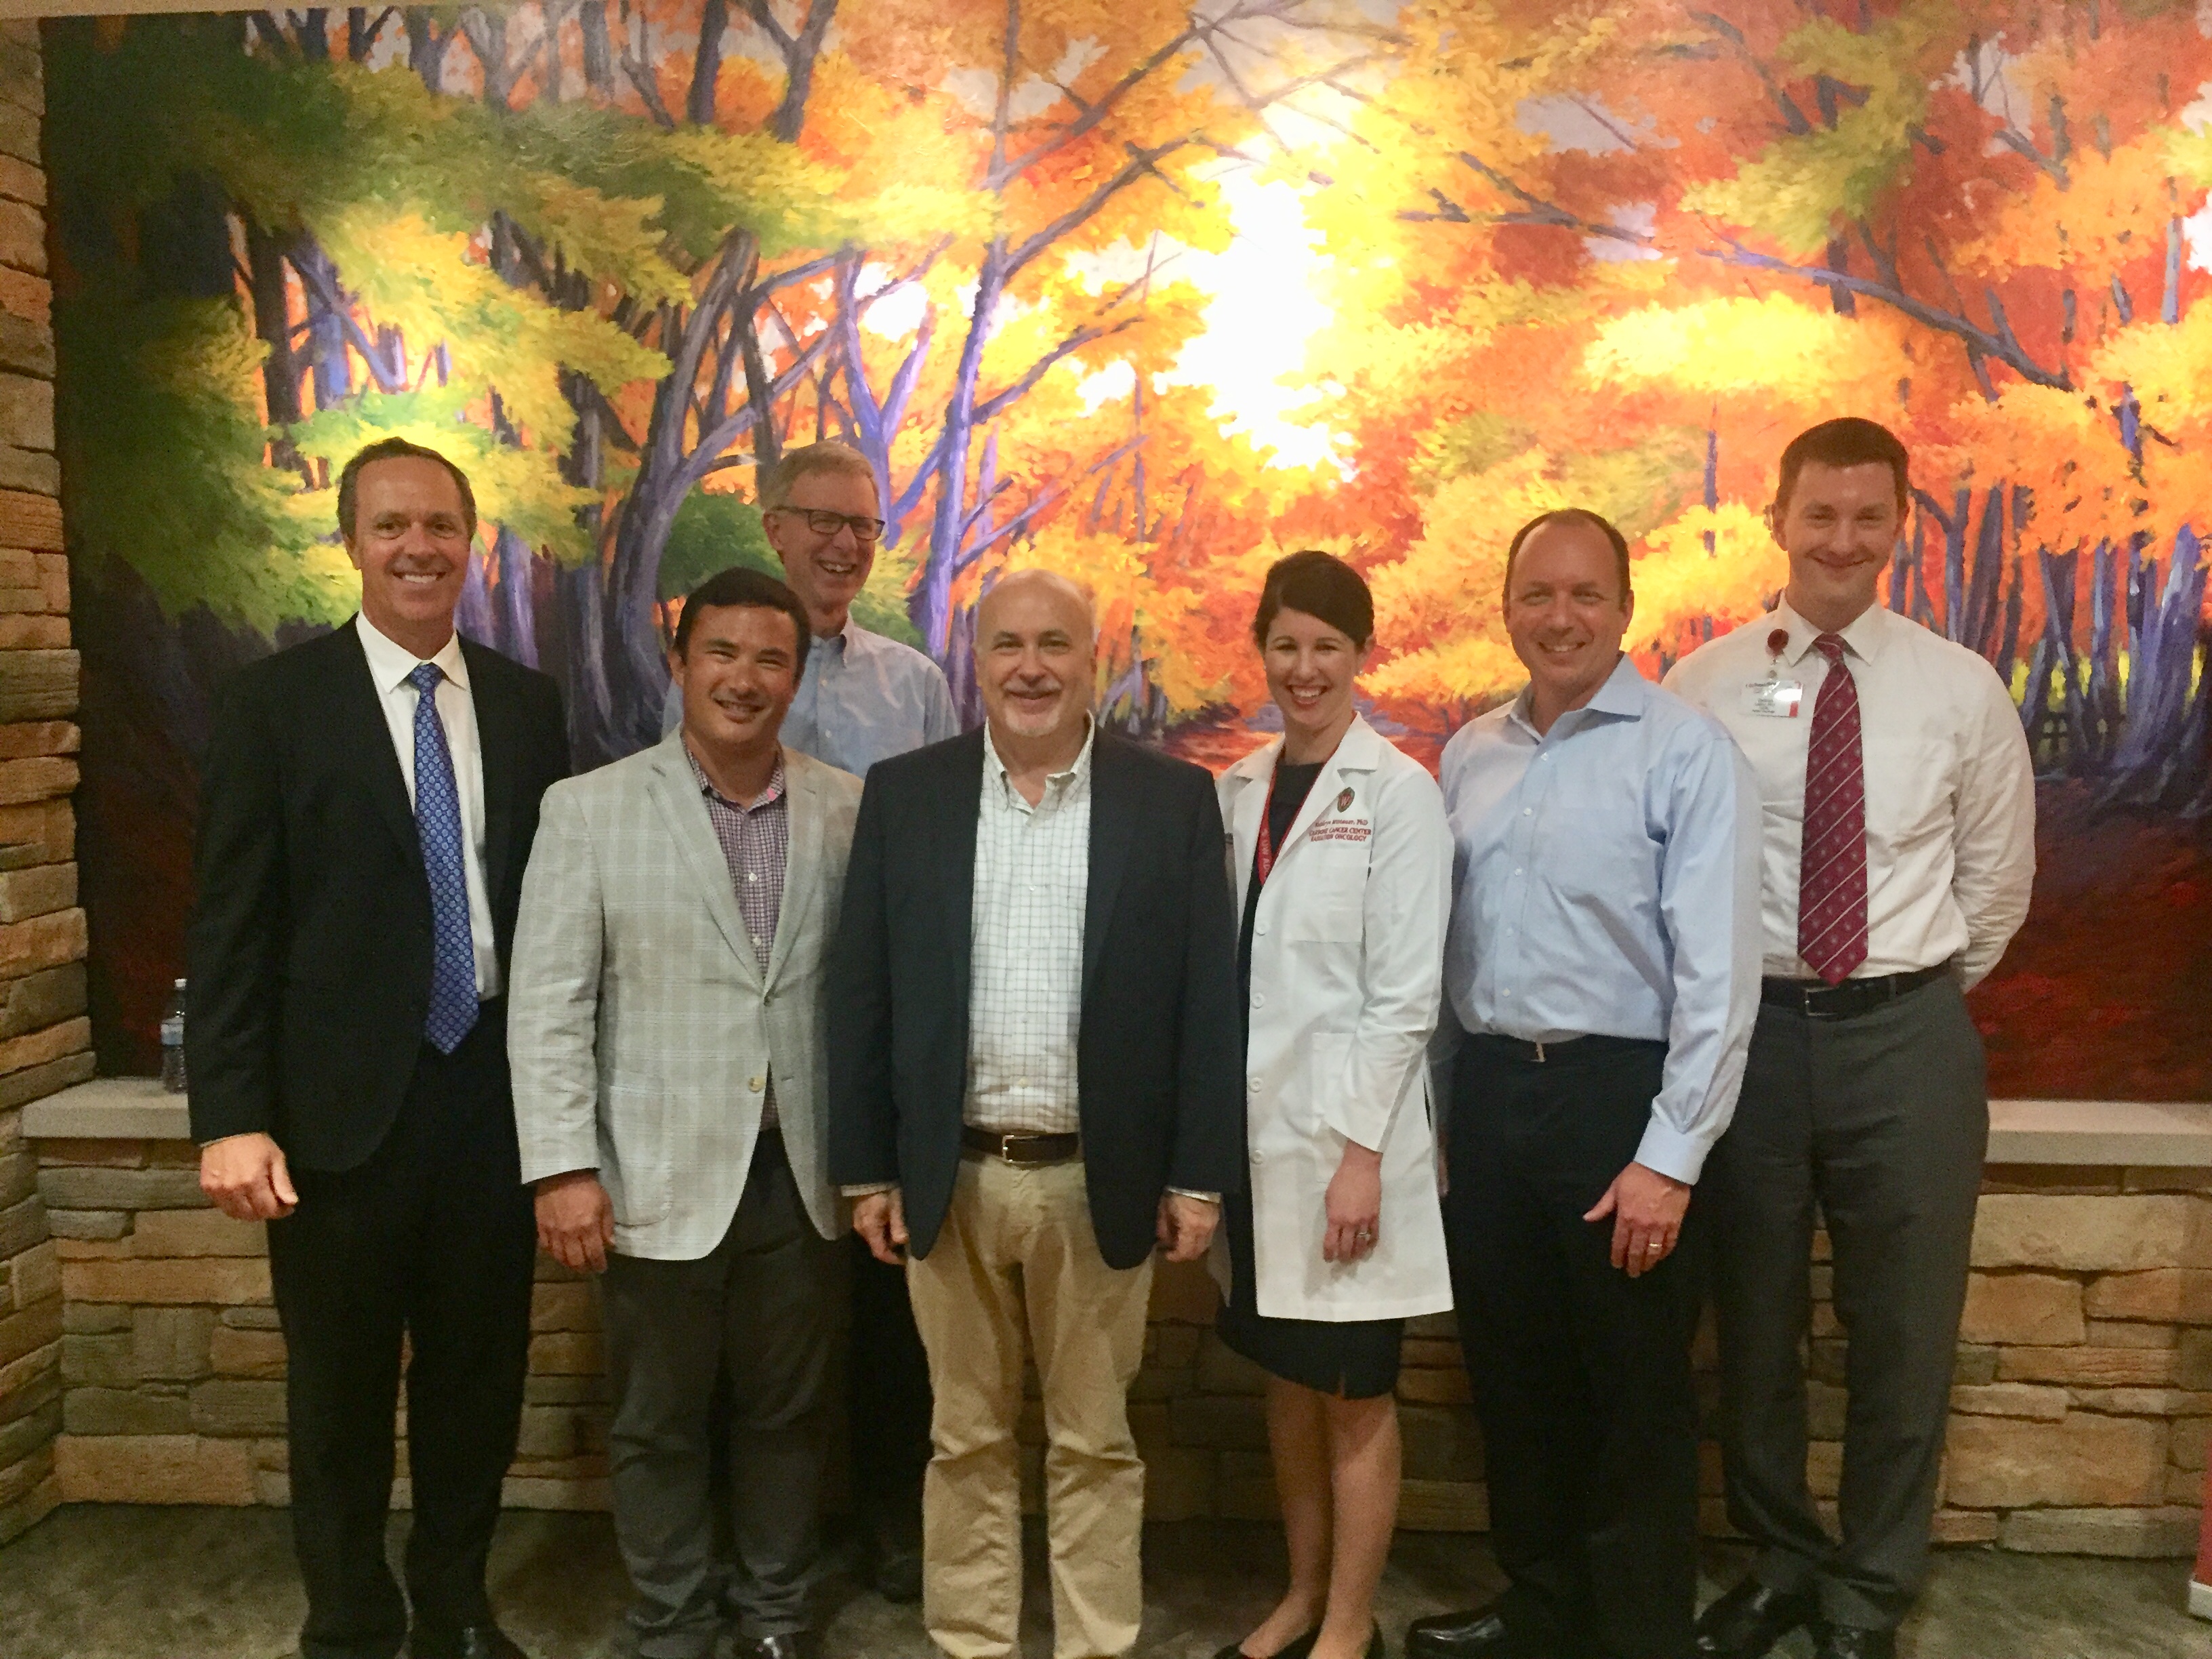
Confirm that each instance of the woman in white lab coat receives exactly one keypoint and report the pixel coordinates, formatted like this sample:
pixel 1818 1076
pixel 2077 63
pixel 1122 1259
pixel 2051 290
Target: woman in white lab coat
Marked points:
pixel 1342 861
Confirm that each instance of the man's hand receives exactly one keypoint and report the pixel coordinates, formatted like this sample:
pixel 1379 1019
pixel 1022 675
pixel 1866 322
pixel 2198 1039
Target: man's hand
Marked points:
pixel 1647 1210
pixel 880 1220
pixel 1185 1226
pixel 1353 1205
pixel 247 1177
pixel 575 1220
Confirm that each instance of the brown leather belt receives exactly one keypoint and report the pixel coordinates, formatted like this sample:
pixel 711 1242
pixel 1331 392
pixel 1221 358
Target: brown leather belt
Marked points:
pixel 1025 1150
pixel 1818 1000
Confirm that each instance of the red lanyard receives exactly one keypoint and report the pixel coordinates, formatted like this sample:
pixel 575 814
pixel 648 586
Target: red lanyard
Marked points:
pixel 1263 859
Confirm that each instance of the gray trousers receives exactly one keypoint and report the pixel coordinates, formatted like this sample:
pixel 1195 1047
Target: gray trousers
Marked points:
pixel 761 1305
pixel 1882 1121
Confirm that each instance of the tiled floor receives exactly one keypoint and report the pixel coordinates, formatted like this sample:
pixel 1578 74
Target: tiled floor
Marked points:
pixel 93 1583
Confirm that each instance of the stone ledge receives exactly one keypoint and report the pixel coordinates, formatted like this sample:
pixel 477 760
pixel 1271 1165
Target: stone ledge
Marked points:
pixel 2082 1133
pixel 109 1108
pixel 2101 1133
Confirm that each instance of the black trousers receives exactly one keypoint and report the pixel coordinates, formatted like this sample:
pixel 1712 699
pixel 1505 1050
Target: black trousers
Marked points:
pixel 1581 1374
pixel 759 1309
pixel 887 1389
pixel 432 1239
pixel 1881 1120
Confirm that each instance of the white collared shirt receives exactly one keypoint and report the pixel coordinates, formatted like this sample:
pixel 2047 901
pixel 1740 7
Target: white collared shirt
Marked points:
pixel 389 665
pixel 1950 789
pixel 1025 950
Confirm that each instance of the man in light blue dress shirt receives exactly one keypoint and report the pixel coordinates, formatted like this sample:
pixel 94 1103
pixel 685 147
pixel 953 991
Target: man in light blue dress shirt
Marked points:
pixel 1602 965
pixel 862 698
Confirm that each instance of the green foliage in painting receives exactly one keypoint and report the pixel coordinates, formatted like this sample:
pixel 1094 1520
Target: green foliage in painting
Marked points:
pixel 164 447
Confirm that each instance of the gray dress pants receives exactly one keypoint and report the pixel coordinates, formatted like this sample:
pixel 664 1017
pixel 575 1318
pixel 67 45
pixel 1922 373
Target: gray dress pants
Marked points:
pixel 1880 1120
pixel 761 1304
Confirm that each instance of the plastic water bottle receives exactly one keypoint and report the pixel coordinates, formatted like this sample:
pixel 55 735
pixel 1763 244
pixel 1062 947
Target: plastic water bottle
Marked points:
pixel 173 1041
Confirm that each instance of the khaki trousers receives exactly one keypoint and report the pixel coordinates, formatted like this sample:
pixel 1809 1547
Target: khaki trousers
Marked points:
pixel 1017 1258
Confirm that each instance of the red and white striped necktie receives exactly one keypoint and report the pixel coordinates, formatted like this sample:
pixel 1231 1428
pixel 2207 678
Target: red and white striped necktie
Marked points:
pixel 1831 880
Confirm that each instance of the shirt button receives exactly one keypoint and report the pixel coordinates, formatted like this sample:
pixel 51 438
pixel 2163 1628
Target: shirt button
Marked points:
pixel 1254 1086
pixel 1258 1158
pixel 1259 927
pixel 1259 1000
pixel 1527 811
pixel 753 875
pixel 1506 994
pixel 1516 873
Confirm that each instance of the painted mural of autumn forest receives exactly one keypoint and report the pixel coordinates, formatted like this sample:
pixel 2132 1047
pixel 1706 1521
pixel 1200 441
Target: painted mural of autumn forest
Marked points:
pixel 1150 291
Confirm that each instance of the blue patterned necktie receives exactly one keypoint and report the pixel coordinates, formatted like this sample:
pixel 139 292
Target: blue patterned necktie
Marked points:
pixel 438 821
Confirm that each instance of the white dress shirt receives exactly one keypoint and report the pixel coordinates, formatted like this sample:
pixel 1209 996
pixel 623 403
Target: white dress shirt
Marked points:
pixel 1025 950
pixel 1950 790
pixel 389 665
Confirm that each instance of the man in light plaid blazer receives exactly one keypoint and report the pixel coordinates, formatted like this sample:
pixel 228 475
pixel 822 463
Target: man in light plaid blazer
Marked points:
pixel 665 1032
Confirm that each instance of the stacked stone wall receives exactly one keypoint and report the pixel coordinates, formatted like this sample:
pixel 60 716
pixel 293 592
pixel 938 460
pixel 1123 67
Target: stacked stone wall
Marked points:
pixel 2079 1416
pixel 44 1039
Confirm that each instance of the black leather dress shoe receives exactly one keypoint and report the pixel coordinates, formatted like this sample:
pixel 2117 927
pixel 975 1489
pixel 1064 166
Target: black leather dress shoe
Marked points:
pixel 469 1642
pixel 1296 1648
pixel 1853 1642
pixel 1750 1619
pixel 1480 1634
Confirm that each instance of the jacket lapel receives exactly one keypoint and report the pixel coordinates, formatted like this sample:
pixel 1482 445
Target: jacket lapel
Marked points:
pixel 1247 807
pixel 802 872
pixel 952 868
pixel 497 740
pixel 360 708
pixel 676 798
pixel 1112 821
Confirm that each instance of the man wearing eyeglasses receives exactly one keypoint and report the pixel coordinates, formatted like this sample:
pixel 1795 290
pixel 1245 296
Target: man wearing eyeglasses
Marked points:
pixel 862 698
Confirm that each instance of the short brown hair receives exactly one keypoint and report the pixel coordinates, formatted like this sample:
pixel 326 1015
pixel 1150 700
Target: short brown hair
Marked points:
pixel 395 449
pixel 1848 441
pixel 828 456
pixel 1581 515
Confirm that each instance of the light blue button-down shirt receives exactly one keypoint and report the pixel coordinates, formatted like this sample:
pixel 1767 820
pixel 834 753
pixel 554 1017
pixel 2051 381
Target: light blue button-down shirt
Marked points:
pixel 862 699
pixel 1607 884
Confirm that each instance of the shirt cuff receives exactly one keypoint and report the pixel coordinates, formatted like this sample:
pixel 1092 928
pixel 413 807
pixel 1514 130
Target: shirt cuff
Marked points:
pixel 1203 1198
pixel 868 1189
pixel 1672 1153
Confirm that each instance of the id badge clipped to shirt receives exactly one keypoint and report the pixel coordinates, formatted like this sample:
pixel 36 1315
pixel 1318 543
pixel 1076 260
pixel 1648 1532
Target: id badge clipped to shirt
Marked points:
pixel 1774 698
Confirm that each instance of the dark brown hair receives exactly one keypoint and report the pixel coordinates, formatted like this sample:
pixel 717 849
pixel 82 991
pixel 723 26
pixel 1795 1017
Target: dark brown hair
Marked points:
pixel 743 586
pixel 1848 441
pixel 1321 585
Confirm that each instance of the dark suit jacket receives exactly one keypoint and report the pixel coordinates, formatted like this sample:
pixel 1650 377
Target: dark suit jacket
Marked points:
pixel 311 937
pixel 1160 1056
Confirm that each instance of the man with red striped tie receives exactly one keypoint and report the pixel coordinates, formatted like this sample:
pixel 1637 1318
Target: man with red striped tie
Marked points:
pixel 1899 853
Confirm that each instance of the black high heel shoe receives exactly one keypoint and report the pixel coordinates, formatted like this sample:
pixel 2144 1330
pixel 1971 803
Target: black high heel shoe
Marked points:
pixel 1298 1648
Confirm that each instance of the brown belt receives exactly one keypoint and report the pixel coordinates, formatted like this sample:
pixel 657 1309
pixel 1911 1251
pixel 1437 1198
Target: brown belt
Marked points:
pixel 1023 1150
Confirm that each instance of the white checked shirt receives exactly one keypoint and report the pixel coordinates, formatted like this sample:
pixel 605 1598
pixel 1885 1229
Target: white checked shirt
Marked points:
pixel 1025 952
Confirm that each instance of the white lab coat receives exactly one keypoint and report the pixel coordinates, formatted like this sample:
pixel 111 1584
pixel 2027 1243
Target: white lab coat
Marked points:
pixel 1347 971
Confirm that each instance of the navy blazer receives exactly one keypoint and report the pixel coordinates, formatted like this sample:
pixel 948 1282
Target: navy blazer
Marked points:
pixel 1160 1052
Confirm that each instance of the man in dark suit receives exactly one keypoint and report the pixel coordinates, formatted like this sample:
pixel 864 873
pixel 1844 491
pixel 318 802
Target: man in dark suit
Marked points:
pixel 1034 1071
pixel 366 808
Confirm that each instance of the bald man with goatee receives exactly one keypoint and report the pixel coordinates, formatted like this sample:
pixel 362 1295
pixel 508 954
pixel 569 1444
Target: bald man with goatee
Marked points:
pixel 1034 1059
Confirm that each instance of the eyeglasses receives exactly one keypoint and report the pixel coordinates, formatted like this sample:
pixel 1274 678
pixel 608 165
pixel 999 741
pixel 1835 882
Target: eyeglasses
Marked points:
pixel 864 528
